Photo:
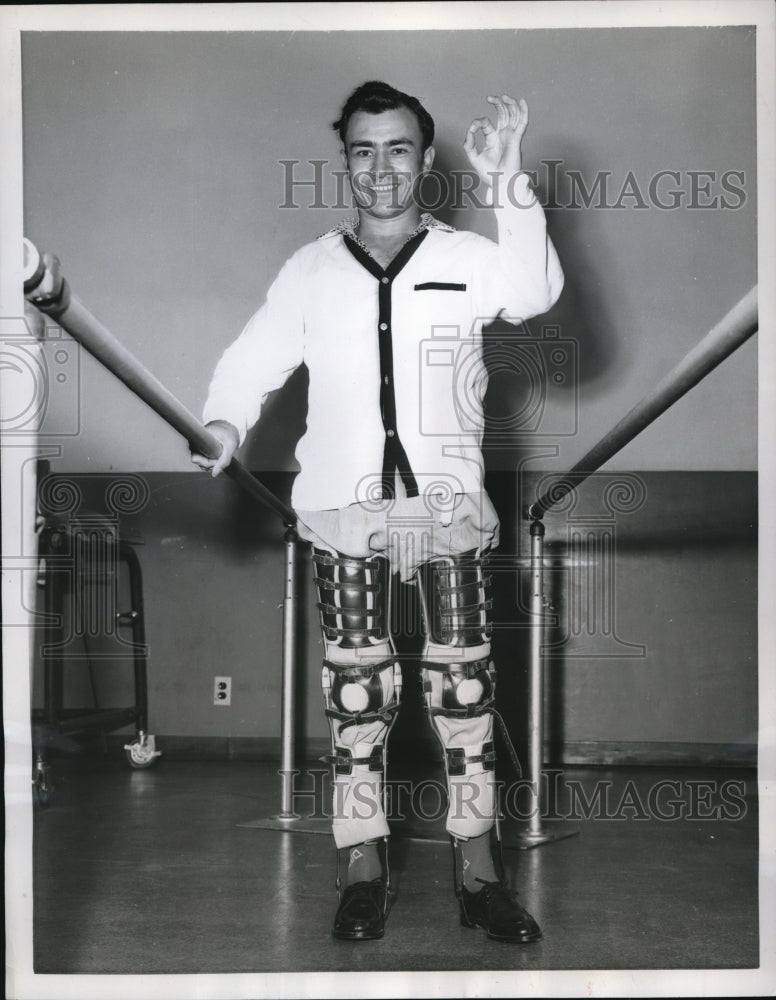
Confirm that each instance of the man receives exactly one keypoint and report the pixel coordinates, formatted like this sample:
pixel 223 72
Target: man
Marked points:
pixel 386 311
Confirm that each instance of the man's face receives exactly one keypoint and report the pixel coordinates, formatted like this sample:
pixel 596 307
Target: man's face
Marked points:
pixel 384 156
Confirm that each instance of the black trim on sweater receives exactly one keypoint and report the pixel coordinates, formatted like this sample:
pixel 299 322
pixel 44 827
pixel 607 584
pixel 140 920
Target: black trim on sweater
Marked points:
pixel 394 455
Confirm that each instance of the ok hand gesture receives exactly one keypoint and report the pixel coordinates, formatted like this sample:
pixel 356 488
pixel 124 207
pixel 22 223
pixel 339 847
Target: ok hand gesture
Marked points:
pixel 500 152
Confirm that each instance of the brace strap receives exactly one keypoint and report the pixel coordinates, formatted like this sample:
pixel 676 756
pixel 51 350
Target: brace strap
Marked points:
pixel 365 588
pixel 365 670
pixel 485 581
pixel 511 752
pixel 343 760
pixel 333 632
pixel 452 630
pixel 502 728
pixel 457 759
pixel 466 609
pixel 326 559
pixel 337 609
pixel 465 712
pixel 385 715
pixel 472 667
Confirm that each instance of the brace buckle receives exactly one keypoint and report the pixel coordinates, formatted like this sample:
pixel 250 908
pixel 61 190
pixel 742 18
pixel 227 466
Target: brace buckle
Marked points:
pixel 344 761
pixel 457 760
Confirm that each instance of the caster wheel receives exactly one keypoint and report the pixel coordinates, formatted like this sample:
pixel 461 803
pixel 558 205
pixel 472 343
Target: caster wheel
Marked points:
pixel 136 759
pixel 42 786
pixel 142 753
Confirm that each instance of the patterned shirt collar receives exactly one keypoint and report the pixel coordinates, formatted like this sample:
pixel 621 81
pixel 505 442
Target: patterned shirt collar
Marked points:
pixel 349 227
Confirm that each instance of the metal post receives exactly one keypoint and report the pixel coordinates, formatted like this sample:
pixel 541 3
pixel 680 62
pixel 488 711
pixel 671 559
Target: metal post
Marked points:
pixel 288 819
pixel 288 701
pixel 536 674
pixel 536 834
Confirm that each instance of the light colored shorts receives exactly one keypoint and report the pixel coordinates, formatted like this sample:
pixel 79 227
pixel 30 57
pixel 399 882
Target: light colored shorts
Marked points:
pixel 409 530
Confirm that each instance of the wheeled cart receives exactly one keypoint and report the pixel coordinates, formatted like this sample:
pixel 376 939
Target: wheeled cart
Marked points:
pixel 80 564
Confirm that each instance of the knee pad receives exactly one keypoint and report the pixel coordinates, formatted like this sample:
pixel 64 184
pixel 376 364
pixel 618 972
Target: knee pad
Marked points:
pixel 459 688
pixel 361 694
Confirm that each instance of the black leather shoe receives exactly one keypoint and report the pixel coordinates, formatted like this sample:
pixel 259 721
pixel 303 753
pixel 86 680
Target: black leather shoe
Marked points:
pixel 361 913
pixel 496 910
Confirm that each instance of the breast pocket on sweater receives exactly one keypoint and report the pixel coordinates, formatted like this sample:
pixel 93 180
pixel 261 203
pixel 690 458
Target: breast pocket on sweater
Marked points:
pixel 441 308
pixel 440 286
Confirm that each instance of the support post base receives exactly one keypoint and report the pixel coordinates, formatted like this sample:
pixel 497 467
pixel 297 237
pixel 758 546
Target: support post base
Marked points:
pixel 322 826
pixel 528 839
pixel 291 824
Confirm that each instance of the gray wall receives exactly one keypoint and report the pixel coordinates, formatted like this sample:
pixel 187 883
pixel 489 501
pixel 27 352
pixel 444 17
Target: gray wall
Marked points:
pixel 671 662
pixel 152 169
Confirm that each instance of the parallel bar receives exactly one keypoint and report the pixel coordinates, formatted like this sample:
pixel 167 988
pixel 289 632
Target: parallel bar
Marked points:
pixel 730 333
pixel 76 319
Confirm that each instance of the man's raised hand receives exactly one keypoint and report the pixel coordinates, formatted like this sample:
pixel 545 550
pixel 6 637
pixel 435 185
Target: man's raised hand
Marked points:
pixel 500 145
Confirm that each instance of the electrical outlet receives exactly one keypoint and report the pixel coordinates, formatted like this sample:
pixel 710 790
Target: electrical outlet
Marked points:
pixel 222 690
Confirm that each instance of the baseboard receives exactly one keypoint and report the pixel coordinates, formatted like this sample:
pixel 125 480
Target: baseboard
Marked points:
pixel 593 753
pixel 663 754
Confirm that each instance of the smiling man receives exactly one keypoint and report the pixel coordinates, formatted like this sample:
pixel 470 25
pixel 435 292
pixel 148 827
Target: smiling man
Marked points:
pixel 386 155
pixel 386 310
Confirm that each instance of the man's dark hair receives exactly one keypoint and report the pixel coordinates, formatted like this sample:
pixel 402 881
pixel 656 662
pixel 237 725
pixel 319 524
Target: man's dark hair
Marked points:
pixel 375 97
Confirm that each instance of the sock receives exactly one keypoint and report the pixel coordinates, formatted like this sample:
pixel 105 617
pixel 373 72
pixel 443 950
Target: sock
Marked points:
pixel 477 862
pixel 363 863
